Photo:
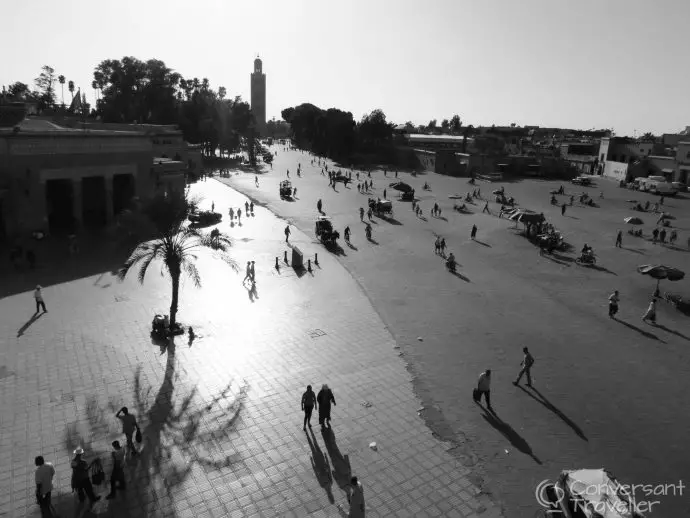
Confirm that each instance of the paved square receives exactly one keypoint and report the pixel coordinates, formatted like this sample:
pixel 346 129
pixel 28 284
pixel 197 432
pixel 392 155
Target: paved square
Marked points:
pixel 221 416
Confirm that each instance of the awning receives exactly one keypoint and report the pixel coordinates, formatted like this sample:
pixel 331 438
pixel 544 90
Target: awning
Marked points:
pixel 668 171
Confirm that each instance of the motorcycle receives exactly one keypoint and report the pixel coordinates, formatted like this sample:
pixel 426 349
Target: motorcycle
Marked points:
pixel 587 258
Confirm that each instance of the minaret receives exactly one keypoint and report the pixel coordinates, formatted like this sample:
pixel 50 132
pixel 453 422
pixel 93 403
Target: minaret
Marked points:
pixel 258 95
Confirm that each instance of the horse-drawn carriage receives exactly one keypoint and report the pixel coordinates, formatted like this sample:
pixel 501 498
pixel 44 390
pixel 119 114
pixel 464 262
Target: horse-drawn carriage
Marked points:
pixel 325 231
pixel 285 189
pixel 205 218
pixel 381 207
pixel 340 177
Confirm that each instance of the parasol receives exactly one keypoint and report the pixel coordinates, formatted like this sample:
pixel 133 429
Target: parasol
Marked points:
pixel 659 272
pixel 634 221
pixel 402 187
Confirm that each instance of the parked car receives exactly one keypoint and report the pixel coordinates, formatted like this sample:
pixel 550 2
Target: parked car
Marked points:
pixel 680 187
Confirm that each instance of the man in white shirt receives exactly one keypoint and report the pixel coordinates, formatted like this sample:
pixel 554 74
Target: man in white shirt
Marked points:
pixel 484 387
pixel 44 485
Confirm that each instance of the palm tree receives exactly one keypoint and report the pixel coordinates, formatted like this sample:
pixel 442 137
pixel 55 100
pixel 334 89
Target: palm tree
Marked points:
pixel 61 80
pixel 176 245
pixel 70 87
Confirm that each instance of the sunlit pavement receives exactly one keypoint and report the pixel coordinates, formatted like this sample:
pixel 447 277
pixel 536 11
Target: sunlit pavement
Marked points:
pixel 609 391
pixel 221 416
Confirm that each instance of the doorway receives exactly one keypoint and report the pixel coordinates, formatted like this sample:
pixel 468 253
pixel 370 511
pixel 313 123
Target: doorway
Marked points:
pixel 123 191
pixel 59 205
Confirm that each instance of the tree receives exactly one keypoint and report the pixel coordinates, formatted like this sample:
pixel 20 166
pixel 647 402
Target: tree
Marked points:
pixel 94 85
pixel 44 83
pixel 70 87
pixel 445 124
pixel 455 123
pixel 222 92
pixel 374 130
pixel 432 124
pixel 61 80
pixel 19 91
pixel 648 136
pixel 176 245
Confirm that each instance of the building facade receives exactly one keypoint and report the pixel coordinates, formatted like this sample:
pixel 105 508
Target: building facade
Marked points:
pixel 258 96
pixel 583 156
pixel 59 180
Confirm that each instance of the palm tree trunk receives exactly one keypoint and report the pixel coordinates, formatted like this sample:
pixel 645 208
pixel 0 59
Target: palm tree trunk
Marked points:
pixel 175 297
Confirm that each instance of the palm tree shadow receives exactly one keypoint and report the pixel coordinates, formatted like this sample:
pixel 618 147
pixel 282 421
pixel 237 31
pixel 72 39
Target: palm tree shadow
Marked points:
pixel 173 440
pixel 641 331
pixel 29 323
pixel 320 465
pixel 342 471
pixel 509 433
pixel 541 399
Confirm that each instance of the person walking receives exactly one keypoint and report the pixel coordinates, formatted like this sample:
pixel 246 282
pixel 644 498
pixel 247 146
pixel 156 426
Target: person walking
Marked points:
pixel 650 315
pixel 251 207
pixel 324 399
pixel 239 215
pixel 355 497
pixel 231 213
pixel 563 210
pixel 81 483
pixel 213 206
pixel 287 233
pixel 294 192
pixel 484 388
pixel 117 475
pixel 248 274
pixel 288 173
pixel 473 233
pixel 486 207
pixel 527 362
pixel 437 245
pixel 347 234
pixel 361 214
pixel 674 236
pixel 43 475
pixel 619 239
pixel 613 304
pixel 662 235
pixel 256 181
pixel 129 426
pixel 443 246
pixel 308 405
pixel 319 205
pixel 655 235
pixel 384 194
pixel 253 272
pixel 246 207
pixel 38 296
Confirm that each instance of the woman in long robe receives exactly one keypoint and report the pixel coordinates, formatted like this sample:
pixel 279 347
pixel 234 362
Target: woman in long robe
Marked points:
pixel 324 399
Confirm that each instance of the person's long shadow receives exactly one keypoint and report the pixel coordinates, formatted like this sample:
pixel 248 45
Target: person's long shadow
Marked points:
pixel 28 323
pixel 509 433
pixel 634 250
pixel 602 269
pixel 353 247
pixel 320 465
pixel 481 243
pixel 372 240
pixel 342 471
pixel 460 276
pixel 541 399
pixel 673 332
pixel 641 331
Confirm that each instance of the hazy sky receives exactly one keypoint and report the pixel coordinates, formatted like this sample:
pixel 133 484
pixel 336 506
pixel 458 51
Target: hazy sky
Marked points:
pixel 581 64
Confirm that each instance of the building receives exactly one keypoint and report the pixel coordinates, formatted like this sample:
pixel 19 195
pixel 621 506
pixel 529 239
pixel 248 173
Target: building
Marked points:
pixel 583 156
pixel 57 179
pixel 258 96
pixel 436 142
pixel 617 153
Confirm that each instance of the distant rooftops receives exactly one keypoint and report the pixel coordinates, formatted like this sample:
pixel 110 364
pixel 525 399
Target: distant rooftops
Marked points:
pixel 434 138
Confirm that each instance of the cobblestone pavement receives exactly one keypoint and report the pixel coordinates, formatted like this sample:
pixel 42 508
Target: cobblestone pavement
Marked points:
pixel 221 420
pixel 607 391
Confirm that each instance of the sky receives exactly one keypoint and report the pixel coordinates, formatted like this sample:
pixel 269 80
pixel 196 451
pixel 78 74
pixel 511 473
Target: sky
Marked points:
pixel 620 64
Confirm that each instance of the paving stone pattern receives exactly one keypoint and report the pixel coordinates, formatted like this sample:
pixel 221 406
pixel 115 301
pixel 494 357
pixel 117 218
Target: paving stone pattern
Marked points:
pixel 221 417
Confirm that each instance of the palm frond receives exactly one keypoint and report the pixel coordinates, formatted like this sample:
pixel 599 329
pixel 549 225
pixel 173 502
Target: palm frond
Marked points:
pixel 228 260
pixel 146 261
pixel 191 270
pixel 144 251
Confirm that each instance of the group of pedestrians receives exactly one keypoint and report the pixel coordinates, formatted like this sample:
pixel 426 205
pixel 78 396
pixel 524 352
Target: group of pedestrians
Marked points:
pixel 484 383
pixel 321 402
pixel 248 209
pixel 649 315
pixel 84 472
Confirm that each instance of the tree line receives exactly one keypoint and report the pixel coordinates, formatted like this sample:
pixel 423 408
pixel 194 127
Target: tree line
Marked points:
pixel 129 90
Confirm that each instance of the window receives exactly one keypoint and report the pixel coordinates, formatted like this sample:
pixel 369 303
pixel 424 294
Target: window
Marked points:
pixel 687 155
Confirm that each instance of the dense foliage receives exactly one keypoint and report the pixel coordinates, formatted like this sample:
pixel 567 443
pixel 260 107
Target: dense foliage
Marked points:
pixel 334 132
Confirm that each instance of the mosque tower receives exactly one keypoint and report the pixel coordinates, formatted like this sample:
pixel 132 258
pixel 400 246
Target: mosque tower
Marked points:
pixel 258 96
